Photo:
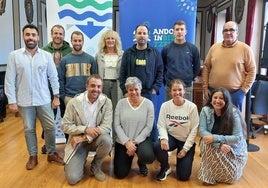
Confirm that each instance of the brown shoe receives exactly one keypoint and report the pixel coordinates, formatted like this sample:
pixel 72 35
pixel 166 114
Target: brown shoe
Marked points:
pixel 32 162
pixel 55 158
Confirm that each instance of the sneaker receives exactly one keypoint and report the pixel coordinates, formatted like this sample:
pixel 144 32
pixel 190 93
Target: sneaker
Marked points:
pixel 162 175
pixel 143 169
pixel 44 149
pixel 97 172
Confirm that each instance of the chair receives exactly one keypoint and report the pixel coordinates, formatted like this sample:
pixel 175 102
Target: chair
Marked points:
pixel 259 106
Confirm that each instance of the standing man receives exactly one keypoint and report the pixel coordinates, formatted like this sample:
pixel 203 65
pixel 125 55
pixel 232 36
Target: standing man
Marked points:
pixel 75 68
pixel 88 121
pixel 229 64
pixel 29 72
pixel 181 61
pixel 145 62
pixel 58 47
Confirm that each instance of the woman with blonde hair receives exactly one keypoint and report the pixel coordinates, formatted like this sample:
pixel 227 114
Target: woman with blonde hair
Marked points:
pixel 108 59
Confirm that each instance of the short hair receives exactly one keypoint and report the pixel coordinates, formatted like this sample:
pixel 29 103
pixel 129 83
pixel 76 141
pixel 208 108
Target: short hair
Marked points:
pixel 235 23
pixel 176 81
pixel 180 22
pixel 133 81
pixel 141 25
pixel 31 26
pixel 77 33
pixel 113 34
pixel 57 26
pixel 96 76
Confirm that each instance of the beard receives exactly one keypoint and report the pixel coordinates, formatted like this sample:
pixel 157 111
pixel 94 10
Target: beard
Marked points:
pixel 30 44
pixel 77 48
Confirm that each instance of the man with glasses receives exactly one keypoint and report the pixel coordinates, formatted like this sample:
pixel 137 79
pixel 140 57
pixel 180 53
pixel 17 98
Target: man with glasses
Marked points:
pixel 229 64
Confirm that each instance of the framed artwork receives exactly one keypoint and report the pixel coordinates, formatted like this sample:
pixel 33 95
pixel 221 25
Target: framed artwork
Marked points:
pixel 209 20
pixel 239 10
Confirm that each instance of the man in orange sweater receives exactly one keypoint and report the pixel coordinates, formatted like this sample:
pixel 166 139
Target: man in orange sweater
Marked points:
pixel 229 64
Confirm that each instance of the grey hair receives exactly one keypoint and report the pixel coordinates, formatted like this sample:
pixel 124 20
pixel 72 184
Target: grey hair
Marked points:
pixel 133 81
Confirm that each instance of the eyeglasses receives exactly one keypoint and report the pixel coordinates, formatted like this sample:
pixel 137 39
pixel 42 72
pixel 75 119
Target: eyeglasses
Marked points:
pixel 230 30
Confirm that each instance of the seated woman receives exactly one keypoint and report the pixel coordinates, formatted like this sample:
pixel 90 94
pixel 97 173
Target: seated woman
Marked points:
pixel 177 126
pixel 133 123
pixel 223 144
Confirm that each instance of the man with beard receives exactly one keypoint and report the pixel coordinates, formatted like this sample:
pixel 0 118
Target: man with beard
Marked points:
pixel 88 121
pixel 75 68
pixel 58 47
pixel 29 72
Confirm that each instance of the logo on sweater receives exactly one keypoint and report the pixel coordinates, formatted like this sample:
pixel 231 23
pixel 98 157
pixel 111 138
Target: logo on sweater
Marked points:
pixel 177 124
pixel 177 120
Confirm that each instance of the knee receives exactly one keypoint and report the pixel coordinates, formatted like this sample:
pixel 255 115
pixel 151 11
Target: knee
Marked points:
pixel 72 178
pixel 183 178
pixel 120 174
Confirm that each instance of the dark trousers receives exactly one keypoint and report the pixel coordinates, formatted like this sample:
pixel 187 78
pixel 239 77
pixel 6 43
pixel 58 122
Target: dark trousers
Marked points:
pixel 183 165
pixel 123 162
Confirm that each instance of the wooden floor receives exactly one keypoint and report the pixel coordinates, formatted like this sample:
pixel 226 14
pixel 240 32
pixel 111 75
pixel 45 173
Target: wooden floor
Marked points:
pixel 13 157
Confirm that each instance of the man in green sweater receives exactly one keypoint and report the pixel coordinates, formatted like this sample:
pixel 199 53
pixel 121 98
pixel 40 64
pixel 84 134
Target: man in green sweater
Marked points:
pixel 58 47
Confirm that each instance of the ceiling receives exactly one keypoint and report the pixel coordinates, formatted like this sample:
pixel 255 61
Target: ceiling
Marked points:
pixel 205 3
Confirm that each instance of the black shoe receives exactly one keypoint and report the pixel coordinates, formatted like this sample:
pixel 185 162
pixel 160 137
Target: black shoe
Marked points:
pixel 143 169
pixel 162 175
pixel 44 149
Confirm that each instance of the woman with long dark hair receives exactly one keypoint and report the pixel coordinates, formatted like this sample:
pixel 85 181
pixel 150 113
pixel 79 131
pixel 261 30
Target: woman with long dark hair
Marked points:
pixel 223 145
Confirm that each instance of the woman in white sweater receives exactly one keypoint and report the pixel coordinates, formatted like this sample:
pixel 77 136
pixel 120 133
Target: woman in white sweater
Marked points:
pixel 177 125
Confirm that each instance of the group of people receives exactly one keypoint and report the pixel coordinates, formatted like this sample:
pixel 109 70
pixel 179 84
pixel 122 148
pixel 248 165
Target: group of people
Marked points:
pixel 95 118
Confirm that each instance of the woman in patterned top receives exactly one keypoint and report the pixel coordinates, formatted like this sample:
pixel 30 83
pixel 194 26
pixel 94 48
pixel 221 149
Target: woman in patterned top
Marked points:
pixel 223 144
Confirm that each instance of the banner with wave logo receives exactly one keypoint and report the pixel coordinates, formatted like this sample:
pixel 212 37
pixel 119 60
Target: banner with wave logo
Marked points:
pixel 91 17
pixel 159 16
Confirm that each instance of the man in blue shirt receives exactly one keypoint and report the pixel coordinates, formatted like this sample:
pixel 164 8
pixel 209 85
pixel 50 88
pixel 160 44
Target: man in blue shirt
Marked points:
pixel 28 74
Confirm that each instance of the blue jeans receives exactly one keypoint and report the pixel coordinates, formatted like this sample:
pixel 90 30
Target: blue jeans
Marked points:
pixel 46 117
pixel 238 98
pixel 183 165
pixel 74 170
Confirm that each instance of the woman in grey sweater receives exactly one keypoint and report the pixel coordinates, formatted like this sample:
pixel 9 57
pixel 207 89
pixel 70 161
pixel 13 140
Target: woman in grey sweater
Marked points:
pixel 133 123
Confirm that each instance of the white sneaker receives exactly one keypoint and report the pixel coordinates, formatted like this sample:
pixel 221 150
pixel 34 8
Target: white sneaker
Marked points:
pixel 162 175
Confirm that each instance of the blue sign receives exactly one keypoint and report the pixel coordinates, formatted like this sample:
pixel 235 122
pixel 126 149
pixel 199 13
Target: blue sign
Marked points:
pixel 159 16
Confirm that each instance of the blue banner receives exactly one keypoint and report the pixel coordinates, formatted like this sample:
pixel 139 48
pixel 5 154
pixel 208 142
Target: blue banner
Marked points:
pixel 159 16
